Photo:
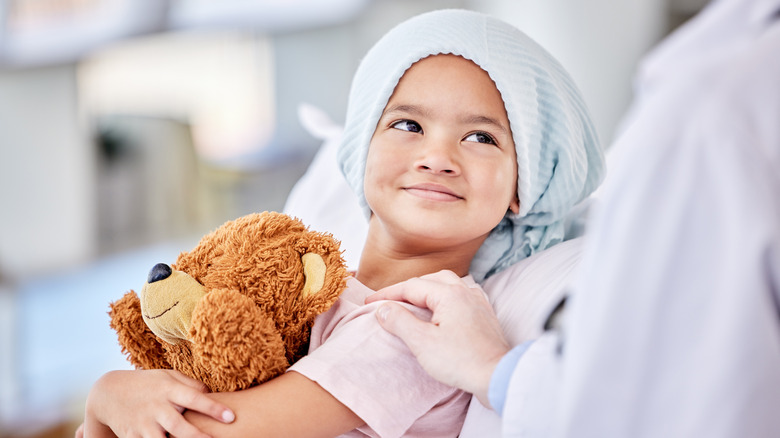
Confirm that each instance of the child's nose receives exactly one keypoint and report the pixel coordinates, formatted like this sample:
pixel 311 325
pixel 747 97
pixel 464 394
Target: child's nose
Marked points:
pixel 438 156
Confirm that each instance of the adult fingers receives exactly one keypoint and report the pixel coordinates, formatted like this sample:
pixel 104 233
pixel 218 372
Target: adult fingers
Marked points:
pixel 403 324
pixel 422 292
pixel 444 276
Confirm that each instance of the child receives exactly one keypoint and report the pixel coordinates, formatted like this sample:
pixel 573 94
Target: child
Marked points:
pixel 466 144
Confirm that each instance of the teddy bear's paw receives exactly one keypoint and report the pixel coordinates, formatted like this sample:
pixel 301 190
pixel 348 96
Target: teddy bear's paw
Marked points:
pixel 141 346
pixel 235 342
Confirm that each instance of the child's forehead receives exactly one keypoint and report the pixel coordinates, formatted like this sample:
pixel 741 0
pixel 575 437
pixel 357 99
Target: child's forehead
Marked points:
pixel 442 64
pixel 437 71
pixel 437 78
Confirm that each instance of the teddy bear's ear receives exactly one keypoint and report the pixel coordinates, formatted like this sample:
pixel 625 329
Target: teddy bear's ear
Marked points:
pixel 314 272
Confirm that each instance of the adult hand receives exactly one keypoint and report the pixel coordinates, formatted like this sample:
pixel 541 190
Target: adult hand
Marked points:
pixel 463 342
pixel 148 403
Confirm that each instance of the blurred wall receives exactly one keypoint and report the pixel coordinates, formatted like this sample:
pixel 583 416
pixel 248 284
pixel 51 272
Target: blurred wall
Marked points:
pixel 598 41
pixel 315 66
pixel 46 172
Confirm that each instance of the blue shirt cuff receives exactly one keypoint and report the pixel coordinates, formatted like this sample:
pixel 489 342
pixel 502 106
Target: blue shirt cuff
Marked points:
pixel 499 381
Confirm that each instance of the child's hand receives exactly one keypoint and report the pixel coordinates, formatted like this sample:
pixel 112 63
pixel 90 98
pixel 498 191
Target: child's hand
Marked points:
pixel 148 404
pixel 79 432
pixel 463 342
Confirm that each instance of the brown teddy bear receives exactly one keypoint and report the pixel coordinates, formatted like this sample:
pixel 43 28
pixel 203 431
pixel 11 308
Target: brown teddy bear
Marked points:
pixel 237 310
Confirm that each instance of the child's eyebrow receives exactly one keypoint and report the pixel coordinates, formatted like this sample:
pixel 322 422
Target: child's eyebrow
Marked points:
pixel 484 120
pixel 405 108
pixel 469 119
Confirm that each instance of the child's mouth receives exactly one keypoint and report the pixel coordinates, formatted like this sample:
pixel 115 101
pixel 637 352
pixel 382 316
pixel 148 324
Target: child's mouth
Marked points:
pixel 433 192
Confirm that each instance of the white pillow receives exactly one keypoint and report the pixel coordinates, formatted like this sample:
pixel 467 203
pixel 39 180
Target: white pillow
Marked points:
pixel 321 198
pixel 523 296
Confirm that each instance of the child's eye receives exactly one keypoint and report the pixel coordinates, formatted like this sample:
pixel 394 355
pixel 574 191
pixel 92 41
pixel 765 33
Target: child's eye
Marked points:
pixel 407 125
pixel 480 137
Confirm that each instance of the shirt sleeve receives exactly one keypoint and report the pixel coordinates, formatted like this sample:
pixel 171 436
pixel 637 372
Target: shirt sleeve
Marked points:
pixel 375 375
pixel 499 381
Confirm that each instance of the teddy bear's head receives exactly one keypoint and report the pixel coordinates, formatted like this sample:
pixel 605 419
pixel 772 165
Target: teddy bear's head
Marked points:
pixel 238 308
pixel 169 296
pixel 167 301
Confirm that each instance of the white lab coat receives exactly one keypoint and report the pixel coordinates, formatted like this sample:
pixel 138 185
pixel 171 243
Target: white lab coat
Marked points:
pixel 673 327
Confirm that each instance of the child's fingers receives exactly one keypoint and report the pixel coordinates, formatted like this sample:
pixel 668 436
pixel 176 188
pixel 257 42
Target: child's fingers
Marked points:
pixel 189 381
pixel 194 400
pixel 172 422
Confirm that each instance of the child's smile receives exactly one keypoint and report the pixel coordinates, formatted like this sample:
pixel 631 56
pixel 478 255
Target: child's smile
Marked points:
pixel 434 192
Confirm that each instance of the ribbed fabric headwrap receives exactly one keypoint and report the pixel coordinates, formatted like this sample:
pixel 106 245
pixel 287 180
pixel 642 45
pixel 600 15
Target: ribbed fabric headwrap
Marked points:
pixel 559 159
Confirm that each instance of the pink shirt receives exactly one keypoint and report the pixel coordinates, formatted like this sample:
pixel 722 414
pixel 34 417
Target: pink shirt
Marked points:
pixel 375 375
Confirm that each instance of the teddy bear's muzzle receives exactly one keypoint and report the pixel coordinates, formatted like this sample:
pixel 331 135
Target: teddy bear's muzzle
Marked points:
pixel 167 301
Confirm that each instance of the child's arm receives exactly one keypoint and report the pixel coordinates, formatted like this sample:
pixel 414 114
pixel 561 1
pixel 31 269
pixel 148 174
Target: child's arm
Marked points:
pixel 147 403
pixel 289 405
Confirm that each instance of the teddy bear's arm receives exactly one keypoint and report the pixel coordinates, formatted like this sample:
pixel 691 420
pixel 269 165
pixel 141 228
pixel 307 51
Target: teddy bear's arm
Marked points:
pixel 140 345
pixel 235 342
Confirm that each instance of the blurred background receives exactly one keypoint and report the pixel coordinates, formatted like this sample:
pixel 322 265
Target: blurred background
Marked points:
pixel 130 128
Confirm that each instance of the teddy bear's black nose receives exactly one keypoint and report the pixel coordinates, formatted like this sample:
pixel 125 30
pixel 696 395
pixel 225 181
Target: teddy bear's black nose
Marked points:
pixel 160 271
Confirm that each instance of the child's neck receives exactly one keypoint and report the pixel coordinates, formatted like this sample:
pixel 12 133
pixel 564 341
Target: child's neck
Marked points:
pixel 381 266
pixel 378 275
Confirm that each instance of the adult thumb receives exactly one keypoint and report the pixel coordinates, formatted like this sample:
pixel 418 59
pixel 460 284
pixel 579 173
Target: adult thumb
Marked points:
pixel 402 323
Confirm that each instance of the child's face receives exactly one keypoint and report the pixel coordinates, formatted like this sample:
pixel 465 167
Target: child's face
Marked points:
pixel 441 165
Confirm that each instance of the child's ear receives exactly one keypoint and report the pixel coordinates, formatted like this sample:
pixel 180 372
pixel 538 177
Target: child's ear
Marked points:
pixel 514 206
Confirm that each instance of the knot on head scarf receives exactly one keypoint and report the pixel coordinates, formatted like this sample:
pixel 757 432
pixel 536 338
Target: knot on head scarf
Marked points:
pixel 559 159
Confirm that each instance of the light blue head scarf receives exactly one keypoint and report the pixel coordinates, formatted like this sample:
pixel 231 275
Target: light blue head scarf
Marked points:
pixel 559 159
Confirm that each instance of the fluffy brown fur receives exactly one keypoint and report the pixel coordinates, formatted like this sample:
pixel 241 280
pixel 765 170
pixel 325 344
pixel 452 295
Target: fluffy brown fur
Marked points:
pixel 253 321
